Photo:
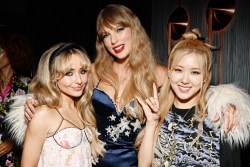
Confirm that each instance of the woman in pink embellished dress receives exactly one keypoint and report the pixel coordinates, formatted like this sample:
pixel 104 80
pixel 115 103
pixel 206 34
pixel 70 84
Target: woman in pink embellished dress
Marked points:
pixel 63 132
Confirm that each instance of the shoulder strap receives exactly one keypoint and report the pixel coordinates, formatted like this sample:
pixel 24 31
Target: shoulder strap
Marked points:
pixel 98 83
pixel 66 120
pixel 61 121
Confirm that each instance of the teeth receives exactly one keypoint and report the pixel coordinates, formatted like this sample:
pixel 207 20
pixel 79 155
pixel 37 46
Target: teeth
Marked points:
pixel 118 47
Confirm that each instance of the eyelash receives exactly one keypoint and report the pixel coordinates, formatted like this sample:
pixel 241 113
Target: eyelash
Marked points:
pixel 117 30
pixel 104 36
pixel 196 72
pixel 193 72
pixel 120 29
pixel 82 71
pixel 177 70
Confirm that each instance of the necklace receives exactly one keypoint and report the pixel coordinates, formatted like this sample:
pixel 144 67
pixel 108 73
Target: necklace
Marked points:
pixel 4 82
pixel 173 126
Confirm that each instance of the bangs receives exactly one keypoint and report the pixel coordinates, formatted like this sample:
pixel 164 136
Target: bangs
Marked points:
pixel 112 17
pixel 61 70
pixel 202 58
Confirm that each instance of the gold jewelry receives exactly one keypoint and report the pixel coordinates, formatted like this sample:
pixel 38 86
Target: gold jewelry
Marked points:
pixel 5 81
pixel 175 124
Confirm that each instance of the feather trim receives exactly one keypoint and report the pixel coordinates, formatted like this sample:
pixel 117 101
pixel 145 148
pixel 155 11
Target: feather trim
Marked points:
pixel 15 119
pixel 222 95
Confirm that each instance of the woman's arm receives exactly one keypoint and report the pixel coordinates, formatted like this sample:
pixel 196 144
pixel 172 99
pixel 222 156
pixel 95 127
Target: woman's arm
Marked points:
pixel 35 136
pixel 151 110
pixel 146 151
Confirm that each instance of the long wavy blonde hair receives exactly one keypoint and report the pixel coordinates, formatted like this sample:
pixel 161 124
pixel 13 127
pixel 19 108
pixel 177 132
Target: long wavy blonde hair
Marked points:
pixel 45 90
pixel 141 57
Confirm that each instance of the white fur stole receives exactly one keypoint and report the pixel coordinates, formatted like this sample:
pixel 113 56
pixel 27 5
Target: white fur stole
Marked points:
pixel 216 96
pixel 15 119
pixel 221 96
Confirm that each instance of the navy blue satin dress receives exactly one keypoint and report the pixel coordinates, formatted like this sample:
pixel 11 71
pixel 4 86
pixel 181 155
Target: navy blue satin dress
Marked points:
pixel 118 131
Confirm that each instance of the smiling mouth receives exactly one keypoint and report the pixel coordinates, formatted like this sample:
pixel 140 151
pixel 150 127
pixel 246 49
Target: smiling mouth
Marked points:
pixel 184 89
pixel 119 49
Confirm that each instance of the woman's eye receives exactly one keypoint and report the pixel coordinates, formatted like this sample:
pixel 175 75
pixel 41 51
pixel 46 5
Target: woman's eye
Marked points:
pixel 177 70
pixel 69 74
pixel 120 29
pixel 196 72
pixel 104 36
pixel 82 71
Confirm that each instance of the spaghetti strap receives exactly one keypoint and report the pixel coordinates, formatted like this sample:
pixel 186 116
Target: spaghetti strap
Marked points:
pixel 59 113
pixel 60 144
pixel 60 123
pixel 66 120
pixel 86 134
pixel 98 83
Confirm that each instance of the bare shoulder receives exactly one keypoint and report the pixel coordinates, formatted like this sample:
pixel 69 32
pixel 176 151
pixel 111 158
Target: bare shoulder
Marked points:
pixel 44 118
pixel 44 111
pixel 161 74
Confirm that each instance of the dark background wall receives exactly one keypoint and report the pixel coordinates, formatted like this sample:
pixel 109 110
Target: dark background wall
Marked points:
pixel 236 37
pixel 46 23
pixel 49 22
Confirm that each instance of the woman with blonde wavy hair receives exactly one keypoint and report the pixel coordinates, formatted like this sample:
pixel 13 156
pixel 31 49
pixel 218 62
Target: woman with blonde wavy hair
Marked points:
pixel 180 130
pixel 63 130
pixel 125 68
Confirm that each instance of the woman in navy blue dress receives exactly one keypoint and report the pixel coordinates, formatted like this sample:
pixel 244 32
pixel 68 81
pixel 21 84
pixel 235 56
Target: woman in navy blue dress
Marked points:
pixel 125 68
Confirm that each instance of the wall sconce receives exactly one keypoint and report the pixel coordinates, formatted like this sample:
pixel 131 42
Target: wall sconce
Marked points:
pixel 219 14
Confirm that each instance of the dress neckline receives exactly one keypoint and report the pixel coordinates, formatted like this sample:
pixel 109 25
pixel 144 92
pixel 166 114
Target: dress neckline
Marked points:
pixel 118 111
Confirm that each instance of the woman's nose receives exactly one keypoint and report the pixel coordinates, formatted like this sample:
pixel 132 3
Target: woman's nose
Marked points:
pixel 185 78
pixel 114 39
pixel 78 79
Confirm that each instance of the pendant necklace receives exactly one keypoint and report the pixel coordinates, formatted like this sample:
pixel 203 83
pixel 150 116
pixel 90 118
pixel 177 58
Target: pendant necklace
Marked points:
pixel 174 126
pixel 4 82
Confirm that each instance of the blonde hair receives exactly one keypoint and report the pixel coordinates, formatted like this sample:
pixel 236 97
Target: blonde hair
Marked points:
pixel 53 65
pixel 141 58
pixel 190 43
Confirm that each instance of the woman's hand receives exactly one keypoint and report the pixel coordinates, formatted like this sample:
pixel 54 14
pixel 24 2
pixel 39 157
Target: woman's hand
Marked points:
pixel 229 116
pixel 151 107
pixel 29 109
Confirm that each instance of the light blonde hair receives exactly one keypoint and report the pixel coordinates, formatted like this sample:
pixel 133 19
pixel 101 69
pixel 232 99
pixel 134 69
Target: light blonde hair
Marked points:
pixel 189 44
pixel 141 58
pixel 44 86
